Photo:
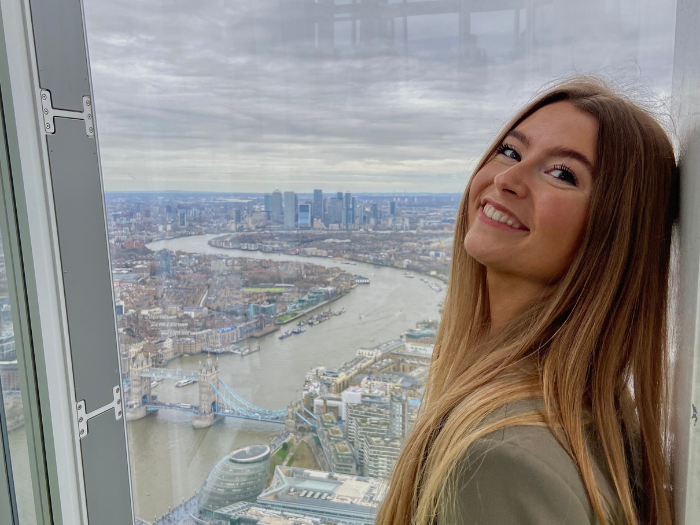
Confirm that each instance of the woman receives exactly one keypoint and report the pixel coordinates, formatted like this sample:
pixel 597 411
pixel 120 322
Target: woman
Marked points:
pixel 547 396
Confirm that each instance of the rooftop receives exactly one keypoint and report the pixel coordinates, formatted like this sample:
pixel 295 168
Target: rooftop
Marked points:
pixel 250 454
pixel 319 491
pixel 263 516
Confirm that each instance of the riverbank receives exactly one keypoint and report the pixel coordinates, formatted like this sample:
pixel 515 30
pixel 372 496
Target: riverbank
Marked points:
pixel 354 261
pixel 301 313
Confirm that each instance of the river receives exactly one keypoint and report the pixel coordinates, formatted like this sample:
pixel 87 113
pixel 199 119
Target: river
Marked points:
pixel 170 459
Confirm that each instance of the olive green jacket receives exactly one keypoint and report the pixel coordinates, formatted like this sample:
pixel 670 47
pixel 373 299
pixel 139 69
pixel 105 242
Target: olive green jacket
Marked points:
pixel 521 475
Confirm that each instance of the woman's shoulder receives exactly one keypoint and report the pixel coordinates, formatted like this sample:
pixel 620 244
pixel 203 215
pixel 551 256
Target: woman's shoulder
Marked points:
pixel 522 474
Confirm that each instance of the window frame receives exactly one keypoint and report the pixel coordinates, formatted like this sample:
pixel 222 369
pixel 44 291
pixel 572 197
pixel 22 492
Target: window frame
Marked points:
pixel 56 451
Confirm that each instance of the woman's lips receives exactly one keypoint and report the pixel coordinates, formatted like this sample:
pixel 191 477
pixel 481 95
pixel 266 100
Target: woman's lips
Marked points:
pixel 498 217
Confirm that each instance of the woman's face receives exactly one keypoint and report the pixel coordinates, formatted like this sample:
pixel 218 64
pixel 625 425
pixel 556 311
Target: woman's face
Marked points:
pixel 528 205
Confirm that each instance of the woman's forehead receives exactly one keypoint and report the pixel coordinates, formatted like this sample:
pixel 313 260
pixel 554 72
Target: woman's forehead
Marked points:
pixel 561 128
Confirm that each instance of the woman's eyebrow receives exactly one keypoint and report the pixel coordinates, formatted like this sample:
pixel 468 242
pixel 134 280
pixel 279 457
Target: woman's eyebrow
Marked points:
pixel 559 151
pixel 573 154
pixel 520 136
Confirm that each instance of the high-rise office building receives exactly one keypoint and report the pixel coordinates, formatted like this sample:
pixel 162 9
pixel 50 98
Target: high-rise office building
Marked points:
pixel 268 203
pixel 318 205
pixel 335 211
pixel 290 209
pixel 305 214
pixel 392 208
pixel 359 213
pixel 277 210
pixel 348 216
pixel 165 262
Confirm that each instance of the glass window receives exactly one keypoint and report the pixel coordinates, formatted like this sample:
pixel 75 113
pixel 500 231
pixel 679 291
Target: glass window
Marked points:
pixel 282 179
pixel 12 403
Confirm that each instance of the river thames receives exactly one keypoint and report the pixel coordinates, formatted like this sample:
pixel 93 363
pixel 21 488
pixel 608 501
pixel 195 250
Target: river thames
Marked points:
pixel 170 459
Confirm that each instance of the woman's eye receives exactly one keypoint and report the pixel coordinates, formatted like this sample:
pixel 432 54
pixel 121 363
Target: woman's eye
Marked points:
pixel 563 174
pixel 509 152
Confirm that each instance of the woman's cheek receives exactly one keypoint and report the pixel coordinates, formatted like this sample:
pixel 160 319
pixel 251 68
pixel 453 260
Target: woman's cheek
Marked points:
pixel 563 224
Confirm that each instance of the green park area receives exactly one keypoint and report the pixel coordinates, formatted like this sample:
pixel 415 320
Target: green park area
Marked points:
pixel 303 457
pixel 264 290
pixel 286 317
pixel 278 457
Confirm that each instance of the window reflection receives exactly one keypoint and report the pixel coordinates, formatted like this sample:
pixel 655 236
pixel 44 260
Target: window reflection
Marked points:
pixel 12 401
pixel 275 166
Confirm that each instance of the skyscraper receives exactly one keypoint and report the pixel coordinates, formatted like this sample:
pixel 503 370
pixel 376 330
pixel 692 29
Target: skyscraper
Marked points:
pixel 290 209
pixel 335 211
pixel 268 203
pixel 305 213
pixel 318 205
pixel 348 210
pixel 392 208
pixel 165 262
pixel 277 211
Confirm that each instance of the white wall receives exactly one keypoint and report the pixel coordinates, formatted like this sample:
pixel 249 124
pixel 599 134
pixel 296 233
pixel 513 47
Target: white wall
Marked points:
pixel 686 95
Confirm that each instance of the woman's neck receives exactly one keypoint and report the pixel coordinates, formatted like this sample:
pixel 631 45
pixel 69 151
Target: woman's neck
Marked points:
pixel 509 295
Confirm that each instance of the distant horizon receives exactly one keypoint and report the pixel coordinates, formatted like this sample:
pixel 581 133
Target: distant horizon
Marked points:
pixel 405 194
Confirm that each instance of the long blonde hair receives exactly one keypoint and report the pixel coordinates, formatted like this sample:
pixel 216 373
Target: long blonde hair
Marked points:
pixel 597 343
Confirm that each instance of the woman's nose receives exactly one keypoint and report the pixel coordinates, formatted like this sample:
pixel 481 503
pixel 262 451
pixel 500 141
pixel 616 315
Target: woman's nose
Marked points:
pixel 513 180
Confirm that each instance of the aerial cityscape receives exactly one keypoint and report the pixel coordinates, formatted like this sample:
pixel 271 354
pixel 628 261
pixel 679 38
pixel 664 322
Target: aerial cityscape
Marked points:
pixel 274 347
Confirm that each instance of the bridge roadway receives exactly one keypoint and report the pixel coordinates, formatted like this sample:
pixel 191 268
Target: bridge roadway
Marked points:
pixel 225 412
pixel 183 407
pixel 170 373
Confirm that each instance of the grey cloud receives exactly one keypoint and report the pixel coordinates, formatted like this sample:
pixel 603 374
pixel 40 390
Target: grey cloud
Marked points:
pixel 252 94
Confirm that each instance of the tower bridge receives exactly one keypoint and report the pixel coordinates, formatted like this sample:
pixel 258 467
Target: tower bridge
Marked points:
pixel 169 373
pixel 216 398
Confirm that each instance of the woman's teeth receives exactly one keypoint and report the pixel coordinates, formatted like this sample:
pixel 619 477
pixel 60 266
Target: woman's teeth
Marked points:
pixel 496 215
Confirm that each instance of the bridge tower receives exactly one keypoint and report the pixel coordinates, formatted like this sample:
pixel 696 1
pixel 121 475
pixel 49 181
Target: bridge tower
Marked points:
pixel 208 400
pixel 140 393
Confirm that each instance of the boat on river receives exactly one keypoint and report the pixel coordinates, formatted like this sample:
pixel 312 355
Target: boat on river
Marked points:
pixel 184 382
pixel 246 351
pixel 285 335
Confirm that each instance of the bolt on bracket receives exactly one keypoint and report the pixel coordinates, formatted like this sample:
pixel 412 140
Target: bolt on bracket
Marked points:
pixel 83 417
pixel 49 113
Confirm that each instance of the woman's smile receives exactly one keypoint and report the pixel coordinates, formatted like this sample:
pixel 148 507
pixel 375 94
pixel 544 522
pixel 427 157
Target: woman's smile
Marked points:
pixel 500 217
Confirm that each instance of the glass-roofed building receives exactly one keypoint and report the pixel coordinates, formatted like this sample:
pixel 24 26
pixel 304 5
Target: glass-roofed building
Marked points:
pixel 240 476
pixel 328 496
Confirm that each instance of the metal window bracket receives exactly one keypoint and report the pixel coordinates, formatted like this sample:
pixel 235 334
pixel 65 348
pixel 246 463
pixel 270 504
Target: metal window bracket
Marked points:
pixel 50 113
pixel 83 418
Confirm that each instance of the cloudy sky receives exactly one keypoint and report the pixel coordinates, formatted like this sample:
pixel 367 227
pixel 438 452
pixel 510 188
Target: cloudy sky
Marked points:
pixel 381 96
